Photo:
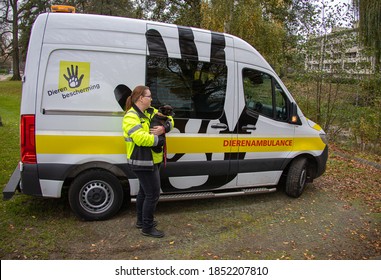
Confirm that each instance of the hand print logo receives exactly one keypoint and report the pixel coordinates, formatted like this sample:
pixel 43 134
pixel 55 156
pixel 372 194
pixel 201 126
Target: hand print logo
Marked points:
pixel 74 75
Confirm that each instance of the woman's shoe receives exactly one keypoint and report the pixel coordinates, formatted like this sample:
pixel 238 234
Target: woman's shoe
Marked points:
pixel 153 232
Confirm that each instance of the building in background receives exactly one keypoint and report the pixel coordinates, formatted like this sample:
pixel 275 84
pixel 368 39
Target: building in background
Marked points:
pixel 339 54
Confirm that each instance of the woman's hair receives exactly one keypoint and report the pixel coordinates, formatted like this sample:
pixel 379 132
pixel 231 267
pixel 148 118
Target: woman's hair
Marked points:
pixel 136 93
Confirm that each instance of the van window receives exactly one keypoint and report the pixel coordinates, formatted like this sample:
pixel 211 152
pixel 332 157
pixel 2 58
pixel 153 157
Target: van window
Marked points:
pixel 195 89
pixel 263 95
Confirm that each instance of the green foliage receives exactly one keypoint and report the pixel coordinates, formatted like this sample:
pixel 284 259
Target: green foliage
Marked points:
pixel 366 127
pixel 258 22
pixel 367 130
pixel 343 97
pixel 369 12
pixel 346 113
pixel 169 11
pixel 372 86
pixel 123 8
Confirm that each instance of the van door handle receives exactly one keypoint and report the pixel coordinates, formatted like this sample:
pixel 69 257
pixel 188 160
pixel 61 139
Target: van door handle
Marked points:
pixel 219 125
pixel 249 127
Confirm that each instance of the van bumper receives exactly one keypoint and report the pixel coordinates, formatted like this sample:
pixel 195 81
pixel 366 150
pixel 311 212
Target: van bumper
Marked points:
pixel 30 181
pixel 322 162
pixel 13 184
pixel 25 179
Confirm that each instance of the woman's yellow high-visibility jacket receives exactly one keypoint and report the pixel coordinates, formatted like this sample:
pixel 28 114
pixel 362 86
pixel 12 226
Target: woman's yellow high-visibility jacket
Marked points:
pixel 139 140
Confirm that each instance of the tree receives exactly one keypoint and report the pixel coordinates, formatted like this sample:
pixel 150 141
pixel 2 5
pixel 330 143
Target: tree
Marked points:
pixel 122 8
pixel 10 25
pixel 17 19
pixel 5 43
pixel 31 9
pixel 189 13
pixel 369 12
pixel 259 22
pixel 181 12
pixel 369 15
pixel 157 10
pixel 321 46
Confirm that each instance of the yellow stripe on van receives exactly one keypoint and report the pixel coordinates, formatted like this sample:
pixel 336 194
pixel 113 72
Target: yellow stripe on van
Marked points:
pixel 69 144
pixel 308 144
pixel 317 127
pixel 64 144
pixel 233 145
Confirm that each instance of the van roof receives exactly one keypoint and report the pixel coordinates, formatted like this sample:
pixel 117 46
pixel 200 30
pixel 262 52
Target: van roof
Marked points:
pixel 121 33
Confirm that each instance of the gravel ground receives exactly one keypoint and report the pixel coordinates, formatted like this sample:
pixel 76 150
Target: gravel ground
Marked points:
pixel 318 225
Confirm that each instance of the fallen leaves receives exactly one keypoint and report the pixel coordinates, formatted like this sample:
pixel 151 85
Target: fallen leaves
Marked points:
pixel 353 180
pixel 308 255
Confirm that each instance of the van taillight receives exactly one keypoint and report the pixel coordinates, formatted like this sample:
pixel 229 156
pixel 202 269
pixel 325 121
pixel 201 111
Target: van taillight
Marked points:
pixel 27 135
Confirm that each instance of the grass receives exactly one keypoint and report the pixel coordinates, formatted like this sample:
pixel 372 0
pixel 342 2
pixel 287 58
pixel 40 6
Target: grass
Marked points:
pixel 10 96
pixel 21 216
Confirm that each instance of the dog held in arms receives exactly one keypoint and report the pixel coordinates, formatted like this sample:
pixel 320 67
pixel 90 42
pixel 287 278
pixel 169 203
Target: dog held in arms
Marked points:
pixel 160 119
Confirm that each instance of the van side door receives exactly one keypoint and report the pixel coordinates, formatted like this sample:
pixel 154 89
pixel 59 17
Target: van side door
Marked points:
pixel 188 70
pixel 265 134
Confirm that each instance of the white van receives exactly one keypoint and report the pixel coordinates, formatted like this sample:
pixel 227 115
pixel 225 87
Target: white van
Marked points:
pixel 237 128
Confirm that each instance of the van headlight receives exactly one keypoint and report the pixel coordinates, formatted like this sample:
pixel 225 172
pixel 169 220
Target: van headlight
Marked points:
pixel 324 138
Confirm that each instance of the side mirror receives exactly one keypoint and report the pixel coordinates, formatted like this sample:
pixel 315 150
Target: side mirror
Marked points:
pixel 294 118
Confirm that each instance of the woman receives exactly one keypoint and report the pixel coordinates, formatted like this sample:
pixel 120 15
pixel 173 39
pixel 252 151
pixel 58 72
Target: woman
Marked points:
pixel 141 158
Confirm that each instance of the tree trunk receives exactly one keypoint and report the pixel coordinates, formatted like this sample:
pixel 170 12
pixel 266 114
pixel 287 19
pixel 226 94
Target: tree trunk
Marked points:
pixel 15 43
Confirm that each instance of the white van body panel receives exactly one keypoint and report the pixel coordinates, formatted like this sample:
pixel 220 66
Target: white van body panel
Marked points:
pixel 51 188
pixel 32 67
pixel 81 68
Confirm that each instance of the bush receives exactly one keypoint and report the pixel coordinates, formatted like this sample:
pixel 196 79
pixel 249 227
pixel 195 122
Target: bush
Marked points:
pixel 347 110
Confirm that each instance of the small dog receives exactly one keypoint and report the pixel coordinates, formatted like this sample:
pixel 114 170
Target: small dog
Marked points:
pixel 159 119
pixel 162 116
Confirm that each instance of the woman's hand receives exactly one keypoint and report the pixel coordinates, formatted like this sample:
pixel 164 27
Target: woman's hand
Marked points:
pixel 157 130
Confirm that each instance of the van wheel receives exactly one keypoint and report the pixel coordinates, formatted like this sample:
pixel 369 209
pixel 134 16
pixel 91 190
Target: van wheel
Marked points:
pixel 296 177
pixel 95 195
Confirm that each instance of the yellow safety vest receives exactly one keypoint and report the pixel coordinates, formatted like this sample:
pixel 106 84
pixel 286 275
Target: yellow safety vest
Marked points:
pixel 138 139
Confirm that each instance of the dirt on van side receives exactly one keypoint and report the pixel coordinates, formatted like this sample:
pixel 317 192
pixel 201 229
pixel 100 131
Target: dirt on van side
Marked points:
pixel 338 217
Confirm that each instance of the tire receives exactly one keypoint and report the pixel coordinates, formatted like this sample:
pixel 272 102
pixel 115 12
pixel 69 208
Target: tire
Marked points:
pixel 95 195
pixel 296 177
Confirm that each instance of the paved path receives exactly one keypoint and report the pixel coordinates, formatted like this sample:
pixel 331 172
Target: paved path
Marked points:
pixel 4 77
